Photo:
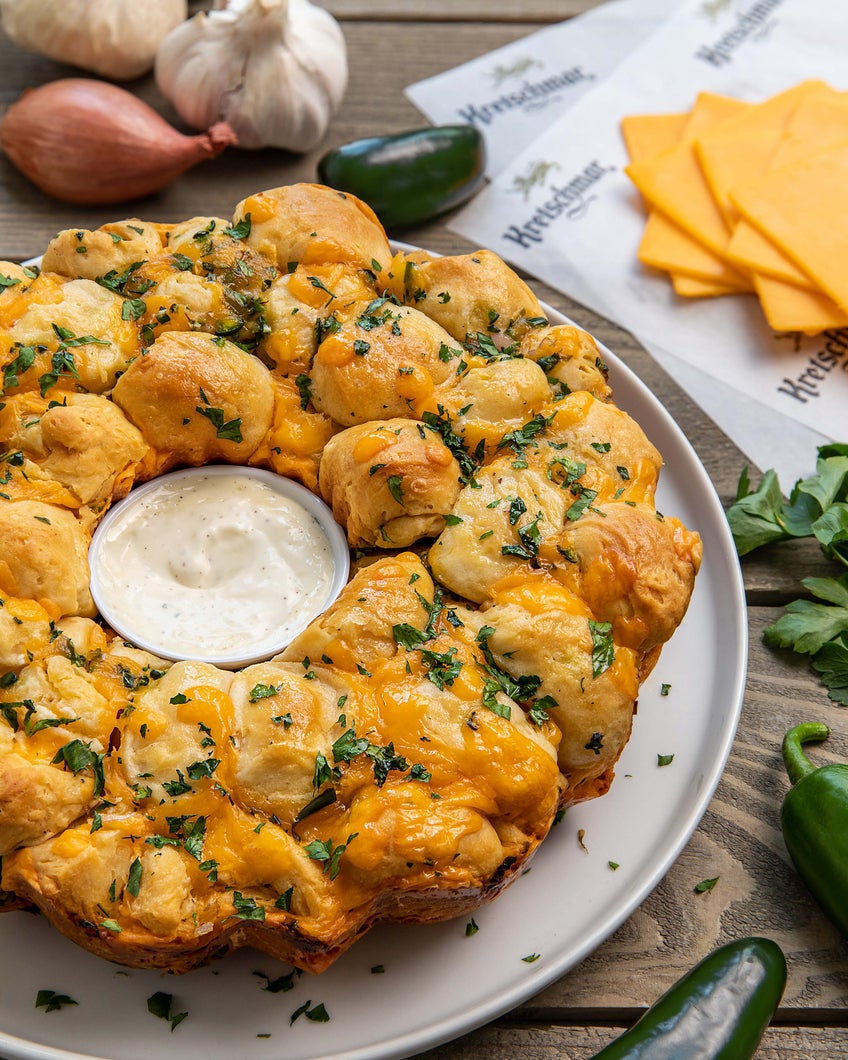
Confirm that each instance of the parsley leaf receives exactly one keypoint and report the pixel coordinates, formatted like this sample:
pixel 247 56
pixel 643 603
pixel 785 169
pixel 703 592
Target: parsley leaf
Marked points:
pixel 50 1001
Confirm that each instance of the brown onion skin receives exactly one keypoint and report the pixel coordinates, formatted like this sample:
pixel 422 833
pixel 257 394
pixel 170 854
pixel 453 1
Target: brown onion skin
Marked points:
pixel 89 142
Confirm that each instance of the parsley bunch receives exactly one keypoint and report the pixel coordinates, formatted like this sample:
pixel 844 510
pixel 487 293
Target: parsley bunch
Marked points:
pixel 817 507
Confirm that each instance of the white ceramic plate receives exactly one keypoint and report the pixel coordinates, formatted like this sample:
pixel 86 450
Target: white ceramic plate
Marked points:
pixel 437 982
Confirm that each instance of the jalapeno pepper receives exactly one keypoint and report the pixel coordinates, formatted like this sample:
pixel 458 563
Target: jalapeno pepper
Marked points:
pixel 412 176
pixel 718 1011
pixel 814 818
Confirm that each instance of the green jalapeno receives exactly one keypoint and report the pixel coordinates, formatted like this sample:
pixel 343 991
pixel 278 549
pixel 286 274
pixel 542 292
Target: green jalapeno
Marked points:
pixel 718 1011
pixel 409 177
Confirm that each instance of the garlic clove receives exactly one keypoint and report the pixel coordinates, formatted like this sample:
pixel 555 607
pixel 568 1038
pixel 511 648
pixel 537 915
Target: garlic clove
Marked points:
pixel 90 142
pixel 276 70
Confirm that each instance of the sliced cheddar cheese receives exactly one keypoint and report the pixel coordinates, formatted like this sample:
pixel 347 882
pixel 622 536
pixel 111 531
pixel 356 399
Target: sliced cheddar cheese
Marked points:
pixel 673 181
pixel 665 245
pixel 802 208
pixel 741 148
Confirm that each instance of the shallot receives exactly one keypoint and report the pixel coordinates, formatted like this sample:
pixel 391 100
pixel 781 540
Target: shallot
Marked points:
pixel 89 142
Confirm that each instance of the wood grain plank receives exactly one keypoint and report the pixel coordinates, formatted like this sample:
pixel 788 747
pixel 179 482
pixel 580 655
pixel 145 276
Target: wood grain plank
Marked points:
pixel 460 10
pixel 582 1042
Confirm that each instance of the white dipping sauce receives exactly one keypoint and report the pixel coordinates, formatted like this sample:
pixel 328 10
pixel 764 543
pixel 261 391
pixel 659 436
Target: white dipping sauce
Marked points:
pixel 215 565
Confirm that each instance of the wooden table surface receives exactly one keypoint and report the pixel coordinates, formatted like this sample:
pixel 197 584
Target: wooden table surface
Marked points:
pixel 391 45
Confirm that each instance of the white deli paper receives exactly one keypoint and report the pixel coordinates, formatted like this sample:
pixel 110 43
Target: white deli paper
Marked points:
pixel 565 211
pixel 513 94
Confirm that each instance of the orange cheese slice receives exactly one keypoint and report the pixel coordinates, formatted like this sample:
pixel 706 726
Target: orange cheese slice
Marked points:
pixel 820 121
pixel 691 287
pixel 790 308
pixel 801 208
pixel 741 148
pixel 674 183
pixel 665 245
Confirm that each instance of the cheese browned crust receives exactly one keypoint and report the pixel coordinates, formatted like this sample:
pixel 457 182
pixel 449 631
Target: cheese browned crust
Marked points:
pixel 404 757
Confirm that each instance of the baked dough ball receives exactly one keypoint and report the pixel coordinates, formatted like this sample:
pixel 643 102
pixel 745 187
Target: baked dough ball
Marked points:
pixel 471 293
pixel 492 399
pixel 594 450
pixel 52 316
pixel 208 279
pixel 298 300
pixel 357 629
pixel 279 735
pixel 512 509
pixel 569 356
pixel 112 248
pixel 194 237
pixel 85 443
pixel 380 364
pixel 163 745
pixel 197 399
pixel 634 568
pixel 389 483
pixel 24 627
pixel 315 225
pixel 540 628
pixel 44 557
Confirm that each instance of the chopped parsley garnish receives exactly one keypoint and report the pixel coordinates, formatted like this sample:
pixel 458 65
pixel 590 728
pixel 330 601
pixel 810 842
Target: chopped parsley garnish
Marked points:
pixel 161 1005
pixel 318 1014
pixel 22 361
pixel 50 1001
pixel 304 387
pixel 260 691
pixel 229 430
pixel 394 482
pixel 324 851
pixel 603 648
pixel 78 756
pixel 529 537
pixel 665 760
pixel 282 984
pixel 706 885
pixel 471 928
pixel 240 230
pixel 246 908
pixel 596 742
pixel 134 878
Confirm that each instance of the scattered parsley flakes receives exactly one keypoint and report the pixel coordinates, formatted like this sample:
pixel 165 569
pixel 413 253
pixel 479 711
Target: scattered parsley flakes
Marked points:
pixel 531 958
pixel 161 1005
pixel 665 689
pixel 603 649
pixel 471 928
pixel 318 1014
pixel 50 1001
pixel 706 885
pixel 665 760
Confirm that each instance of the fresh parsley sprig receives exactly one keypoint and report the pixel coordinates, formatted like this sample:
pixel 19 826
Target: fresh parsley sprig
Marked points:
pixel 817 507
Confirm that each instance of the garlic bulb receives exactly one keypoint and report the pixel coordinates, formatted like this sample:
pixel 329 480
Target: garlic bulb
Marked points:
pixel 115 38
pixel 275 70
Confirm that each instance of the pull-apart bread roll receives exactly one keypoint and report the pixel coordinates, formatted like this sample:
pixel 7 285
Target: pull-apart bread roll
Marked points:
pixel 408 751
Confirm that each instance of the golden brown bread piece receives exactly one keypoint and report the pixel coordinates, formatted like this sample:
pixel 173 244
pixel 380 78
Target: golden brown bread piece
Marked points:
pixel 82 254
pixel 196 399
pixel 471 294
pixel 389 482
pixel 380 363
pixel 44 557
pixel 315 225
pixel 405 755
